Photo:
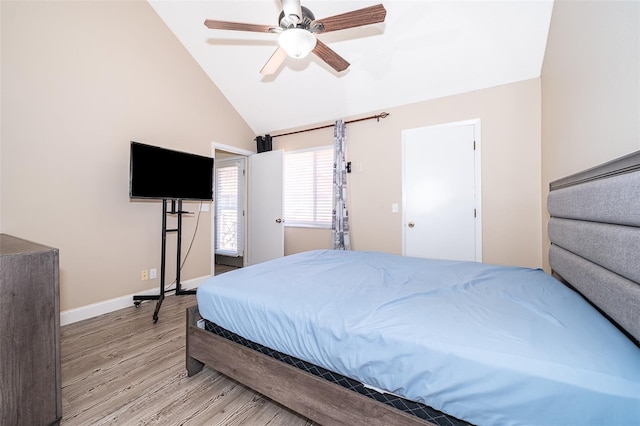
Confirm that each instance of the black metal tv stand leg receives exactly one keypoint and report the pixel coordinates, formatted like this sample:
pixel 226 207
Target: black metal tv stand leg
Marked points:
pixel 178 290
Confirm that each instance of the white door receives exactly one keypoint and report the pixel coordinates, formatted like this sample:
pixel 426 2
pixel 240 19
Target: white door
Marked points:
pixel 441 192
pixel 266 230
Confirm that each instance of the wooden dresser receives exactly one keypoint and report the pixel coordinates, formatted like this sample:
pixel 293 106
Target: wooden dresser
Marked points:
pixel 30 384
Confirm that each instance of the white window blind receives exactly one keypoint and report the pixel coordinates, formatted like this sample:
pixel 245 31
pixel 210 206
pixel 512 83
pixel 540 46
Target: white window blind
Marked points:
pixel 229 175
pixel 308 187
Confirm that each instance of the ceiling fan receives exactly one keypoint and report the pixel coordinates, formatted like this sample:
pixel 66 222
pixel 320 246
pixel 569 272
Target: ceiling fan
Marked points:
pixel 297 31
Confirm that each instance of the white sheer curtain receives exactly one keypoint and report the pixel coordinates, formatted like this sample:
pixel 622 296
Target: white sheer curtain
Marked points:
pixel 340 219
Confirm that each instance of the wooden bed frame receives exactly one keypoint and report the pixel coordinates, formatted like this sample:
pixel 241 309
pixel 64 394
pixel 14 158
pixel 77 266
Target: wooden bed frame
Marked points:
pixel 315 398
pixel 328 403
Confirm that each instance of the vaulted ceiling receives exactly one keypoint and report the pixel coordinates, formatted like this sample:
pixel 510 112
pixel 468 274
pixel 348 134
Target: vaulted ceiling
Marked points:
pixel 424 50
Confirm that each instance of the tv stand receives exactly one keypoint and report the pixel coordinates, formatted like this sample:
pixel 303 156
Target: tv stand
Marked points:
pixel 178 290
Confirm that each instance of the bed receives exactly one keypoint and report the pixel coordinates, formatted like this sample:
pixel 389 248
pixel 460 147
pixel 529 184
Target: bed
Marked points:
pixel 445 342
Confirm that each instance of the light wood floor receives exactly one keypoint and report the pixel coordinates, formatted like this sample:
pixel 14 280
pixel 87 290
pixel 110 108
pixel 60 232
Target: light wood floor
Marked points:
pixel 121 369
pixel 221 269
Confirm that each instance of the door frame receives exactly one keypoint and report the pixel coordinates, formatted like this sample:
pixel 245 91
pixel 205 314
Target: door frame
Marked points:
pixel 240 152
pixel 476 123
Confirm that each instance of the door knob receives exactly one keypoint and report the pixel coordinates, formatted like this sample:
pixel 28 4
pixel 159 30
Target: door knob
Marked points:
pixel 278 220
pixel 411 224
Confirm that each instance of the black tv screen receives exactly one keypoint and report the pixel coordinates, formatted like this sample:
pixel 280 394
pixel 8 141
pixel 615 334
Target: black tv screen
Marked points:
pixel 161 173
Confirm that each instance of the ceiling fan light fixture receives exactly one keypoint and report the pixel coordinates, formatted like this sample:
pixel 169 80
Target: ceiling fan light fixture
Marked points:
pixel 297 42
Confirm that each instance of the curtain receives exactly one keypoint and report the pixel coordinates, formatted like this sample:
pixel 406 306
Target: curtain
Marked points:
pixel 340 217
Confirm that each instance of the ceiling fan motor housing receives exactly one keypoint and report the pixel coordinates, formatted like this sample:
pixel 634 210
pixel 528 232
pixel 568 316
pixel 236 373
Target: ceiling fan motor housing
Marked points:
pixel 289 21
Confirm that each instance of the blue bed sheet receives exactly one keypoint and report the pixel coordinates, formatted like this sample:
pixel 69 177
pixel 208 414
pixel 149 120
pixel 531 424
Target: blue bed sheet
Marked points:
pixel 487 344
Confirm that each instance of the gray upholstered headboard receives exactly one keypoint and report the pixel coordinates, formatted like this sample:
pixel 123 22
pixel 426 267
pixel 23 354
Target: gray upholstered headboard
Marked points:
pixel 595 237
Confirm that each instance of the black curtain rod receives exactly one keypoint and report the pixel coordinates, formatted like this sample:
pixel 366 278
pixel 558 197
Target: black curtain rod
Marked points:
pixel 377 117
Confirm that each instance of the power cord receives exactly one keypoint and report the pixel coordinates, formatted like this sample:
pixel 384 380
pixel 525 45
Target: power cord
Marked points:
pixel 193 237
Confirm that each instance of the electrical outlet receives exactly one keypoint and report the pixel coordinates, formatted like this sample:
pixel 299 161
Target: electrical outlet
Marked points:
pixel 144 275
pixel 153 273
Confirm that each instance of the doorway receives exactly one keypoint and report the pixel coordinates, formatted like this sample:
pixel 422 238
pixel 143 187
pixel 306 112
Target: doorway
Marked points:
pixel 228 218
pixel 441 192
pixel 229 212
pixel 264 236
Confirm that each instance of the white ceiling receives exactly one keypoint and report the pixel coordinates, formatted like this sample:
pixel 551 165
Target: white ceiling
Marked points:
pixel 423 50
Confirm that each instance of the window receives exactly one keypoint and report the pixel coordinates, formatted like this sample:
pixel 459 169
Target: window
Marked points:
pixel 229 210
pixel 308 187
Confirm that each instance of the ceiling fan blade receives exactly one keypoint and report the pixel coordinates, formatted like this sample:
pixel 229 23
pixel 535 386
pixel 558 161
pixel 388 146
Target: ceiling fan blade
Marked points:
pixel 237 26
pixel 355 18
pixel 334 60
pixel 274 62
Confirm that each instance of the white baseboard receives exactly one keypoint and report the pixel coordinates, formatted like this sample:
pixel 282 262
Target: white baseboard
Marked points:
pixel 95 309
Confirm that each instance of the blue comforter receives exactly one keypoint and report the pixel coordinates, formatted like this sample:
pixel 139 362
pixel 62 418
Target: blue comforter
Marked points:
pixel 487 344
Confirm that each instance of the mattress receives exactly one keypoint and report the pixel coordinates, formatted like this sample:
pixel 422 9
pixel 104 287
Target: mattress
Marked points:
pixel 484 343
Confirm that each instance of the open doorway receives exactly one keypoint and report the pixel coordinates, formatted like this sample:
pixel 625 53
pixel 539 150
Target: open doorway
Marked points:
pixel 229 212
pixel 228 239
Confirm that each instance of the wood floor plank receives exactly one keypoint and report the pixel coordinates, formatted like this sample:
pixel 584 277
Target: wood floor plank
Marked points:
pixel 122 369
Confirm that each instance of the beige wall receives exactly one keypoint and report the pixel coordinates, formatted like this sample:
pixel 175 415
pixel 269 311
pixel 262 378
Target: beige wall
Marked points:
pixel 510 121
pixel 590 89
pixel 79 81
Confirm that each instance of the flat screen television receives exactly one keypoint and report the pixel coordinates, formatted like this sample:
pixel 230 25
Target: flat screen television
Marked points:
pixel 162 173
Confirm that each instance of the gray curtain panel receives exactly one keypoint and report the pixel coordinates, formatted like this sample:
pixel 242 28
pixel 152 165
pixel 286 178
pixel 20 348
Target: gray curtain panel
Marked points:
pixel 340 218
